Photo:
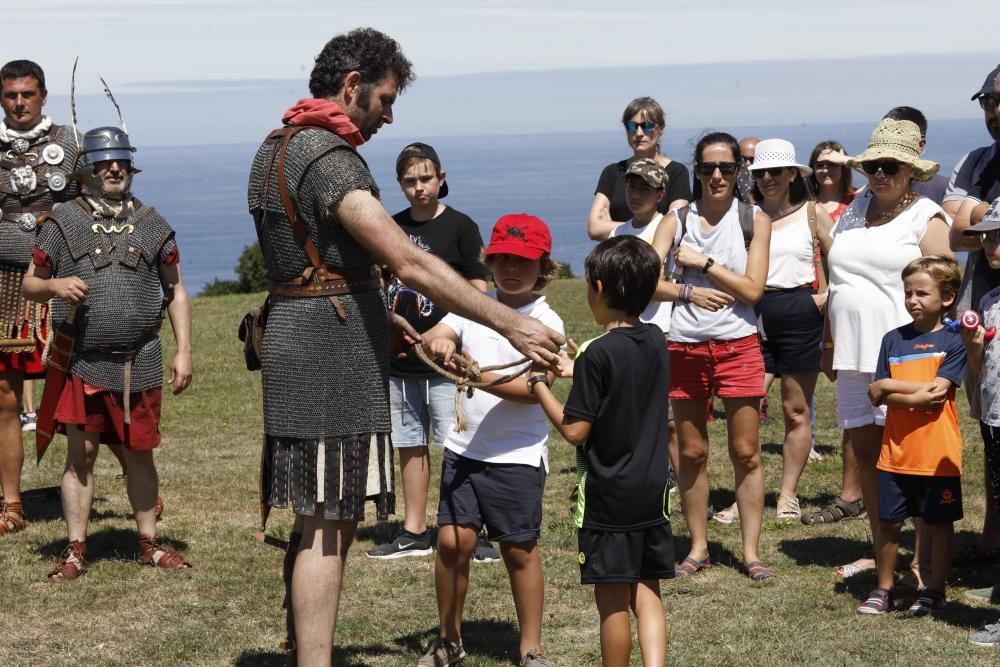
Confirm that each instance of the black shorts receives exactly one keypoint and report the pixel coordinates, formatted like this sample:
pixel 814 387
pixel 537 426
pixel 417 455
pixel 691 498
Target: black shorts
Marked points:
pixel 793 331
pixel 626 558
pixel 934 499
pixel 505 497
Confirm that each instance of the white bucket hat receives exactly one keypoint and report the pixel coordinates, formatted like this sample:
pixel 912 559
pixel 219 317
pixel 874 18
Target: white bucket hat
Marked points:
pixel 777 153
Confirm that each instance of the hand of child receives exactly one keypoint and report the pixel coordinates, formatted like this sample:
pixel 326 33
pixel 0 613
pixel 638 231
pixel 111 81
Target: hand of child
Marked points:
pixel 710 299
pixel 973 338
pixel 441 348
pixel 566 364
pixel 931 397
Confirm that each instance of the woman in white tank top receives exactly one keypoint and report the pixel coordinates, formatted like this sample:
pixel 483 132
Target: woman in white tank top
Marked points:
pixel 713 342
pixel 791 310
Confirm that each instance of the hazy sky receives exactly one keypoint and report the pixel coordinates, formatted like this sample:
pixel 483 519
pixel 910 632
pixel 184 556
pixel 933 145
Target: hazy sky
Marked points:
pixel 134 41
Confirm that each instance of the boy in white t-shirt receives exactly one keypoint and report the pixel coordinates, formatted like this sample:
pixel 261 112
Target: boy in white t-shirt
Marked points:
pixel 493 471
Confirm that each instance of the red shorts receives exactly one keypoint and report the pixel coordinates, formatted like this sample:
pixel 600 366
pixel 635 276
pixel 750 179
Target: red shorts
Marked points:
pixel 726 368
pixel 97 410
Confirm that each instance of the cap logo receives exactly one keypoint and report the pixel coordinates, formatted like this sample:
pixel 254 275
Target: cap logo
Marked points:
pixel 515 232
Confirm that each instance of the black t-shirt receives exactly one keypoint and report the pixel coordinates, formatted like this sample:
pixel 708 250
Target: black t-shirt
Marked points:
pixel 620 386
pixel 611 184
pixel 985 187
pixel 453 237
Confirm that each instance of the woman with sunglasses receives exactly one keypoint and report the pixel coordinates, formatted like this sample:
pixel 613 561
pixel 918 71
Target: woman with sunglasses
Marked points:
pixel 791 309
pixel 882 230
pixel 644 125
pixel 830 178
pixel 721 253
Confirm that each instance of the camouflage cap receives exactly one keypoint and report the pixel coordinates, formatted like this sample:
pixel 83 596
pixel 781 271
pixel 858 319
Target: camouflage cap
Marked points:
pixel 650 171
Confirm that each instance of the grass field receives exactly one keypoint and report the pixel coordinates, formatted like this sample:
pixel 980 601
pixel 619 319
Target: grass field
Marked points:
pixel 226 611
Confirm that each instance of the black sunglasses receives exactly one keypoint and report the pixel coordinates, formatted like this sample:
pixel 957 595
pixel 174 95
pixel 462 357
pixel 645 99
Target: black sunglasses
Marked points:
pixel 708 168
pixel 989 101
pixel 774 171
pixel 748 159
pixel 647 126
pixel 888 167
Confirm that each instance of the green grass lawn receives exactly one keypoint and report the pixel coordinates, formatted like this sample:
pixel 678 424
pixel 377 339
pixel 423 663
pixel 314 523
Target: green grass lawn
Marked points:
pixel 226 611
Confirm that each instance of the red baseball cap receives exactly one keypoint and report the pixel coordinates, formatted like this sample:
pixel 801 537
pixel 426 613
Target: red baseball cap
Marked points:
pixel 520 234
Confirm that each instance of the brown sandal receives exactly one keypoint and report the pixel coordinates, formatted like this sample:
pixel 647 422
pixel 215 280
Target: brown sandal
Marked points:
pixel 72 562
pixel 11 517
pixel 168 560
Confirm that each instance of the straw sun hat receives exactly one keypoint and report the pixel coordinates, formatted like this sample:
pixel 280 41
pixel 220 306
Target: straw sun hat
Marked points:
pixel 897 140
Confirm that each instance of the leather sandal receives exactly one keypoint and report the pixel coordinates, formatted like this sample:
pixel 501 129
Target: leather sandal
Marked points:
pixel 72 562
pixel 11 517
pixel 169 558
pixel 836 511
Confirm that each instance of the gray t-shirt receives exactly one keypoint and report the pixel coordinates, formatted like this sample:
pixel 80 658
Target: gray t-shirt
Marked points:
pixel 933 189
pixel 989 376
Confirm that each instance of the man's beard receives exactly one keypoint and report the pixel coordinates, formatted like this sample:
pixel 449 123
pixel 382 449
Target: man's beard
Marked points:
pixel 364 103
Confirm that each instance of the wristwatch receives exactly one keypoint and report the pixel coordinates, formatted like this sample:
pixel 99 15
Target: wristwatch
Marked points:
pixel 535 379
pixel 708 265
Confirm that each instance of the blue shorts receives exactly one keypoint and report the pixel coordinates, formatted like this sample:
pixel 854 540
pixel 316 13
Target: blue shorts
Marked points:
pixel 934 499
pixel 505 497
pixel 421 409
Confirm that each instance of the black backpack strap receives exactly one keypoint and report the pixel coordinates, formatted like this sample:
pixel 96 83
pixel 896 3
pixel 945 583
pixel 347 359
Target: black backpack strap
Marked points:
pixel 746 213
pixel 682 216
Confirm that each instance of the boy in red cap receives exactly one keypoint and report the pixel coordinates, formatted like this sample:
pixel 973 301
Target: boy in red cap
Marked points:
pixel 493 472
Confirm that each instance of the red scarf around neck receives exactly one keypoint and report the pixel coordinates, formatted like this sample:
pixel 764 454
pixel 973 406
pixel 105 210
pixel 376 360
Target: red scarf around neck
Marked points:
pixel 325 114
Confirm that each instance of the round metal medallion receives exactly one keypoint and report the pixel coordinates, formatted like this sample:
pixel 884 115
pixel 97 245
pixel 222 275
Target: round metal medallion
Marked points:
pixel 19 145
pixel 53 154
pixel 57 181
pixel 26 221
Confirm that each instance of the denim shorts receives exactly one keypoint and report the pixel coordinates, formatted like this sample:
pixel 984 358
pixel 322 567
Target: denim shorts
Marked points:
pixel 421 409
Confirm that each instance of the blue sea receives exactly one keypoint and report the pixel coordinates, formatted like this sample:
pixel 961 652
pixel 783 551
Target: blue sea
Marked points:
pixel 202 189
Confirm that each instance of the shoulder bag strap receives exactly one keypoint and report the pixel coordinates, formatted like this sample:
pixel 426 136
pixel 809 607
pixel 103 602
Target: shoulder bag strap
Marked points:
pixel 746 215
pixel 300 231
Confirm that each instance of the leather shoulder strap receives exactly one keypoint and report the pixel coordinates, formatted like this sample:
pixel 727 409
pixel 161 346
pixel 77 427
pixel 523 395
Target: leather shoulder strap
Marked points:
pixel 746 215
pixel 286 134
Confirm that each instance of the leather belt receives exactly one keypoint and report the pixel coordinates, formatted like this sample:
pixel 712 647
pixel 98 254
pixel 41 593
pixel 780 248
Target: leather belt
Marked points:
pixel 331 282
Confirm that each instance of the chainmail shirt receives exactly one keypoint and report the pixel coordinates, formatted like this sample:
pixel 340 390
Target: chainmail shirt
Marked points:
pixel 119 260
pixel 322 376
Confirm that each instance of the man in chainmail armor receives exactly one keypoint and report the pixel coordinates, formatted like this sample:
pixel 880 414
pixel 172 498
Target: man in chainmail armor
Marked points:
pixel 36 158
pixel 325 347
pixel 110 263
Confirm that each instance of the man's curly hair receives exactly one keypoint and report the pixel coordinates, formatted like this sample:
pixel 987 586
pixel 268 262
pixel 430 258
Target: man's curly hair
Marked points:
pixel 365 50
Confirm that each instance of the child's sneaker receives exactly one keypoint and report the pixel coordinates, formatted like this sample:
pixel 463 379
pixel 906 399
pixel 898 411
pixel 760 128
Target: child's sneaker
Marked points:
pixel 929 602
pixel 402 545
pixel 485 553
pixel 988 636
pixel 879 602
pixel 442 653
pixel 29 420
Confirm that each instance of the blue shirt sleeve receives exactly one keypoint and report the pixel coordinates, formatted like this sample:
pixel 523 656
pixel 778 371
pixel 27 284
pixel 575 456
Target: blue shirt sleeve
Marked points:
pixel 953 366
pixel 882 367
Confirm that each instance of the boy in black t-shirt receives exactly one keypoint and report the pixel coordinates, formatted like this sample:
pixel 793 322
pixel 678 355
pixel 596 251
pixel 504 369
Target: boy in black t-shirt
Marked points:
pixel 422 402
pixel 616 415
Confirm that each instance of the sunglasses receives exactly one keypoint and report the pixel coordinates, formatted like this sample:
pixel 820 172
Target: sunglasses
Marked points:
pixel 706 169
pixel 989 101
pixel 992 237
pixel 647 126
pixel 748 159
pixel 773 171
pixel 888 167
